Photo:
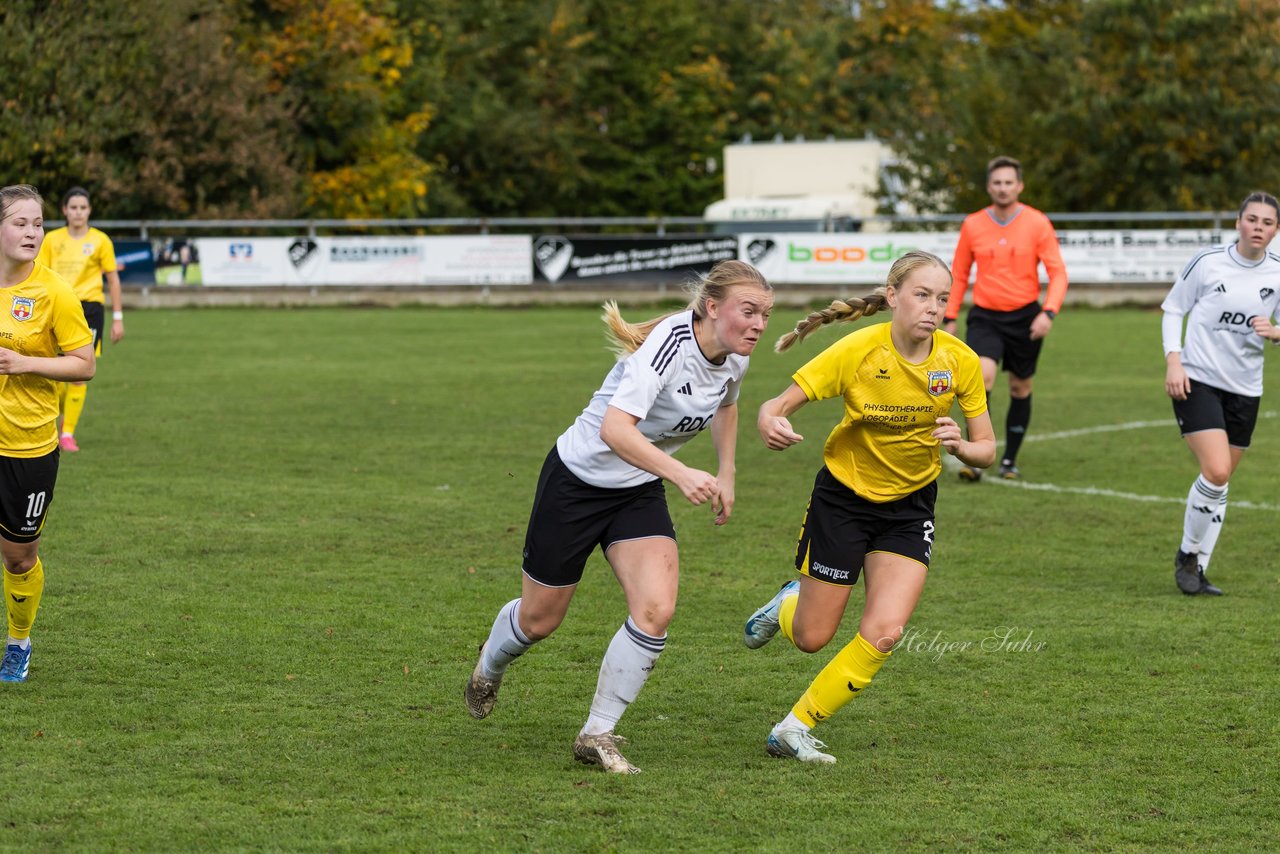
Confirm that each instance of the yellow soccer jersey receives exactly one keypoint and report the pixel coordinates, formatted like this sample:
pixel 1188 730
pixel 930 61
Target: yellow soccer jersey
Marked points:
pixel 39 316
pixel 882 449
pixel 81 262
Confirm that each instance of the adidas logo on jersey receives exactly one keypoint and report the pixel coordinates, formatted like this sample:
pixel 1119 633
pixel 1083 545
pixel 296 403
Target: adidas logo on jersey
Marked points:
pixel 685 389
pixel 1220 289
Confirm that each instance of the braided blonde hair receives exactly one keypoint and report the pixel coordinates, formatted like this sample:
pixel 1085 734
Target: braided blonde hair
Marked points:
pixel 626 338
pixel 849 310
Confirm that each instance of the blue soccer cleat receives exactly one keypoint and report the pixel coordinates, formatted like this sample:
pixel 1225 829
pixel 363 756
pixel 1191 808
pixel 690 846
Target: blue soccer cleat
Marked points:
pixel 15 664
pixel 763 624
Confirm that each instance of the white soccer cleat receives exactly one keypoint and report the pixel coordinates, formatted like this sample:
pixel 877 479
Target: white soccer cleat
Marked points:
pixel 797 743
pixel 763 624
pixel 602 750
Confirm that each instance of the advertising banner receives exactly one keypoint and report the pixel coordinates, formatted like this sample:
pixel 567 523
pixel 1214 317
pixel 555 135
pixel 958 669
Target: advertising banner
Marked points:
pixel 371 260
pixel 366 261
pixel 248 261
pixel 1134 256
pixel 601 258
pixel 177 261
pixel 135 262
pixel 1096 257
pixel 830 258
pixel 478 260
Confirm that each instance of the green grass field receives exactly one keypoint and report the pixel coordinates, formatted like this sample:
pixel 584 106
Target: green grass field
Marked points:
pixel 271 564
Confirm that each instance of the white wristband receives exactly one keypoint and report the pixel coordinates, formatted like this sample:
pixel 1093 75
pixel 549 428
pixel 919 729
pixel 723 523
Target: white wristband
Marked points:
pixel 117 315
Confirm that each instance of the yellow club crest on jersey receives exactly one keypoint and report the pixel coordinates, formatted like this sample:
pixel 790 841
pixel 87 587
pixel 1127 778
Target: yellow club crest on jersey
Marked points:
pixel 939 382
pixel 23 308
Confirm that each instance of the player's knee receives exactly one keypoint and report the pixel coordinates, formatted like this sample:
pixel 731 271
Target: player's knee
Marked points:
pixel 654 616
pixel 536 626
pixel 1216 474
pixel 18 566
pixel 882 635
pixel 809 638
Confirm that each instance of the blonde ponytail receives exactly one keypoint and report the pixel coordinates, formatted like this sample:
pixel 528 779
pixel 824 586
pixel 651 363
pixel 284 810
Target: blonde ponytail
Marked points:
pixel 847 311
pixel 840 311
pixel 625 338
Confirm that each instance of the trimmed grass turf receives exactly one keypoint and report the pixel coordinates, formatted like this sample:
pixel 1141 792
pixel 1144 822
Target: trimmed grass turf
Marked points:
pixel 270 566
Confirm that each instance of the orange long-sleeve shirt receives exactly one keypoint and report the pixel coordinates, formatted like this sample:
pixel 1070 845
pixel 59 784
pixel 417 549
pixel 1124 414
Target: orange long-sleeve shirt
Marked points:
pixel 1008 256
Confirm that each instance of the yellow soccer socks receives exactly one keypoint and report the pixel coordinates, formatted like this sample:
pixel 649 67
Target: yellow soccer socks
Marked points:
pixel 22 596
pixel 787 615
pixel 73 405
pixel 840 681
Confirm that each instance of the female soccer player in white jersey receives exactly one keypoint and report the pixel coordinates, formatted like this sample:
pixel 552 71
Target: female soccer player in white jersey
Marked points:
pixel 1229 296
pixel 602 485
pixel 871 512
pixel 40 318
pixel 83 256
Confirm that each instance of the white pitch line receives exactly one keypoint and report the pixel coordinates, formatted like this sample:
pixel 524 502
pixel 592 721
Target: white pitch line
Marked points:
pixel 1110 428
pixel 1128 496
pixel 950 464
pixel 1101 428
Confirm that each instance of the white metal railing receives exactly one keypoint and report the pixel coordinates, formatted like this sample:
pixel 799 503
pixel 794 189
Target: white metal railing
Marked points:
pixel 657 224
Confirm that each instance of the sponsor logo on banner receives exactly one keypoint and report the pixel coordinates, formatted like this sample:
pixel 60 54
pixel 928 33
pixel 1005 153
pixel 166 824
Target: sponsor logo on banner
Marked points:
pixel 761 251
pixel 360 253
pixel 23 308
pixel 302 249
pixel 939 382
pixel 240 251
pixel 552 256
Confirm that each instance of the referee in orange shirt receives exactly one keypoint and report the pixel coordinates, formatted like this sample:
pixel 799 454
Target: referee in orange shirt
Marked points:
pixel 1007 323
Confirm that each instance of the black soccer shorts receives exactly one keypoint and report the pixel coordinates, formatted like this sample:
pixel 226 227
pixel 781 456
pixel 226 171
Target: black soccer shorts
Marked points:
pixel 570 518
pixel 1210 408
pixel 841 528
pixel 26 491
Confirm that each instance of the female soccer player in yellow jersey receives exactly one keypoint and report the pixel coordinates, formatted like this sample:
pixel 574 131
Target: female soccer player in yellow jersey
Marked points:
pixel 872 507
pixel 83 256
pixel 603 485
pixel 39 318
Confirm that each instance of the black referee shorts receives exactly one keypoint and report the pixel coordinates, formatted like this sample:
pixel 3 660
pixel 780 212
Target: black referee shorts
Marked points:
pixel 1210 408
pixel 841 528
pixel 1005 338
pixel 570 518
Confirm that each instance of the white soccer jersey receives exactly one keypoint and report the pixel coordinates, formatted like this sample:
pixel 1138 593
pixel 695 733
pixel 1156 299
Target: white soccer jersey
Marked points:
pixel 669 385
pixel 1220 293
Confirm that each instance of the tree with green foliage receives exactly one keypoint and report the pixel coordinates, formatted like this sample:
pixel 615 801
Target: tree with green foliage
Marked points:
pixel 339 65
pixel 399 108
pixel 1110 104
pixel 620 108
pixel 149 105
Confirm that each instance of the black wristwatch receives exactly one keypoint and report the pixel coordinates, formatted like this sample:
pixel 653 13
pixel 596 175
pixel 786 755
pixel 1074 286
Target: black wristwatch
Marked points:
pixel 1052 314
